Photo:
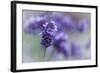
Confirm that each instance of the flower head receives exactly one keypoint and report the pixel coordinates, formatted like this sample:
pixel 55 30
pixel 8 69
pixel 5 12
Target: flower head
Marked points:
pixel 47 33
pixel 46 39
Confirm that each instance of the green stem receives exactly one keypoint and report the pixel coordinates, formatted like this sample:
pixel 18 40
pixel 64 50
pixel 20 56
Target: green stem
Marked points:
pixel 44 54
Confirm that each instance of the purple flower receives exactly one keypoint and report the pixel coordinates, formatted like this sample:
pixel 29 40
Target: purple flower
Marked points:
pixel 57 16
pixel 68 22
pixel 47 33
pixel 63 21
pixel 30 28
pixel 59 43
pixel 40 24
pixel 50 27
pixel 34 24
pixel 46 39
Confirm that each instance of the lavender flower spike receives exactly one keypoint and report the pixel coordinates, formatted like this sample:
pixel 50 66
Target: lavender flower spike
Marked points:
pixel 48 32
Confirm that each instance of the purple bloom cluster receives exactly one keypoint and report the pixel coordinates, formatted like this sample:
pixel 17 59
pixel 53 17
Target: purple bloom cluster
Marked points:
pixel 51 25
pixel 49 28
pixel 59 43
pixel 46 39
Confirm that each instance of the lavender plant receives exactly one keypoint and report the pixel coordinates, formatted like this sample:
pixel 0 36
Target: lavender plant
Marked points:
pixel 52 25
pixel 49 28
